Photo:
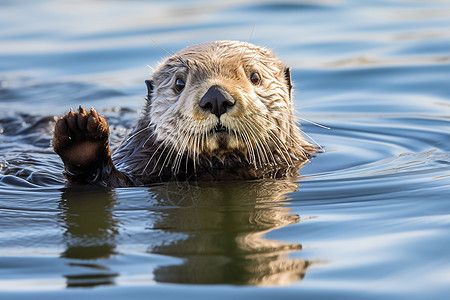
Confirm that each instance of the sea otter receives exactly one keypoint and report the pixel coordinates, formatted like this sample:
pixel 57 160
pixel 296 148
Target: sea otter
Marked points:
pixel 215 111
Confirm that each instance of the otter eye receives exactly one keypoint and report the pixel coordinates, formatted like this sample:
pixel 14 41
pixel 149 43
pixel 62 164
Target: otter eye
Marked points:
pixel 255 79
pixel 179 85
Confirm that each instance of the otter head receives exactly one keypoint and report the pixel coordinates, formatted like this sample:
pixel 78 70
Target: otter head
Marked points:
pixel 219 98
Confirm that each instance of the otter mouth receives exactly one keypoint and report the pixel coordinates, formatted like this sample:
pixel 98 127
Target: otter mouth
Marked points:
pixel 219 128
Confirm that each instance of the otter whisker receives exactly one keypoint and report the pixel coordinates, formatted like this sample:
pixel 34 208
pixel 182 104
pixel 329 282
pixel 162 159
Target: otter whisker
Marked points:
pixel 284 131
pixel 187 148
pixel 138 132
pixel 246 44
pixel 248 143
pixel 168 158
pixel 177 155
pixel 259 151
pixel 171 54
pixel 266 147
pixel 263 140
pixel 184 146
pixel 304 119
pixel 285 153
pixel 313 141
pixel 166 147
pixel 177 158
pixel 181 152
pixel 154 153
pixel 202 142
pixel 189 151
pixel 194 146
pixel 148 138
pixel 239 133
pixel 260 146
pixel 251 60
pixel 169 154
pixel 198 144
pixel 277 143
pixel 317 124
pixel 314 123
pixel 175 145
pixel 300 147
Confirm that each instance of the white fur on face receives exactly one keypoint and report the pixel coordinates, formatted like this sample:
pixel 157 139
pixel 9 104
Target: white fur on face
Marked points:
pixel 260 122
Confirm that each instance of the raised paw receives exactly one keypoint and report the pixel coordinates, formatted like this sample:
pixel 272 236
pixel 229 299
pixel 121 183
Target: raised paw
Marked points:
pixel 81 140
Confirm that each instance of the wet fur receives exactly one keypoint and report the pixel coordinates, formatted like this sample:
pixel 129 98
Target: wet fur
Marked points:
pixel 175 138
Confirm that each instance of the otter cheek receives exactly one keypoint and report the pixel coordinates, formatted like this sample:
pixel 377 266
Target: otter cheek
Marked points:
pixel 259 104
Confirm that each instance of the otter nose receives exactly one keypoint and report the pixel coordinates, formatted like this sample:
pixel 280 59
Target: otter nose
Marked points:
pixel 216 100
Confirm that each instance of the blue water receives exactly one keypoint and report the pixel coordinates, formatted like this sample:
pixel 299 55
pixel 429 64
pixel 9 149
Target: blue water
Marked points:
pixel 368 219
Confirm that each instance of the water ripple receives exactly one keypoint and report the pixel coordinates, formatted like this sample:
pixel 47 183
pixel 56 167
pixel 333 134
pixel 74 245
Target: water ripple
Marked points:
pixel 371 209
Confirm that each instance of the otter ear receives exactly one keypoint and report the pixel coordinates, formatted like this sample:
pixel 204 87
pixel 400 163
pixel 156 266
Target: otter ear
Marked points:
pixel 149 84
pixel 287 75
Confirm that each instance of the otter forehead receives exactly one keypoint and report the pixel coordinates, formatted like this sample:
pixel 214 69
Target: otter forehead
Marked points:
pixel 218 50
pixel 227 58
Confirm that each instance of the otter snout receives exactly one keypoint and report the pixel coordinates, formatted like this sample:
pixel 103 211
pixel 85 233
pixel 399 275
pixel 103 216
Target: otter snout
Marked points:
pixel 216 100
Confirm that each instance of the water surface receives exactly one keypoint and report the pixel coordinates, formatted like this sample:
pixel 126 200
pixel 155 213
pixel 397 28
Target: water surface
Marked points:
pixel 368 218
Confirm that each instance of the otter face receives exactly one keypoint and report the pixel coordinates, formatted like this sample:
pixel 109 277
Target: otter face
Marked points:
pixel 222 97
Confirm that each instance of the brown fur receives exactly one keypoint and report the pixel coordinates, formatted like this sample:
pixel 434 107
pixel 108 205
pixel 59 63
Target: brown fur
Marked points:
pixel 176 138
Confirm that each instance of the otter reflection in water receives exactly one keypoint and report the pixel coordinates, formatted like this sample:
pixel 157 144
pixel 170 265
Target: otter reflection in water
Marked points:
pixel 223 227
pixel 90 234
pixel 216 229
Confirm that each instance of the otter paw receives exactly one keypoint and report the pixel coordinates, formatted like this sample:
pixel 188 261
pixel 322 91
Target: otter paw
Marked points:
pixel 81 140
